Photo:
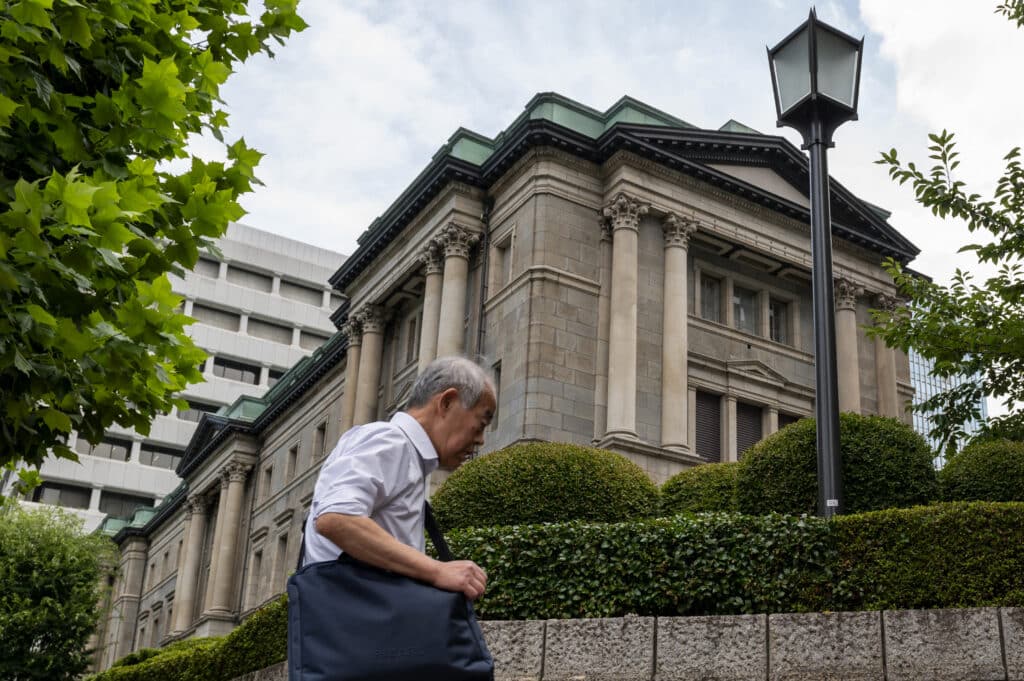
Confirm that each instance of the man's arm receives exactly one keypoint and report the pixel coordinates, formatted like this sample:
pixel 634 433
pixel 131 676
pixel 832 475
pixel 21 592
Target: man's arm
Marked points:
pixel 365 540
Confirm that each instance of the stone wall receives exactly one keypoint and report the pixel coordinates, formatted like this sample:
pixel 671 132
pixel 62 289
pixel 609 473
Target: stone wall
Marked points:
pixel 975 644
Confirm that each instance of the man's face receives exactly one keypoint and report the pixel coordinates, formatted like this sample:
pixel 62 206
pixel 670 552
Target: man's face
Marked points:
pixel 463 429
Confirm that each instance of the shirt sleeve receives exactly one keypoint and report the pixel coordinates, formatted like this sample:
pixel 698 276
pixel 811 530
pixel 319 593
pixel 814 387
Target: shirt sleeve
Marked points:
pixel 362 474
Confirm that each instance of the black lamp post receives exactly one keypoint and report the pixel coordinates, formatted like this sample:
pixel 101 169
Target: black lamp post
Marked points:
pixel 816 81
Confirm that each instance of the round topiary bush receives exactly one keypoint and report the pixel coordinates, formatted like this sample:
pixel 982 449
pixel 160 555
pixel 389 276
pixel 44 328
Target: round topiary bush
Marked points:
pixel 885 464
pixel 706 488
pixel 541 482
pixel 991 470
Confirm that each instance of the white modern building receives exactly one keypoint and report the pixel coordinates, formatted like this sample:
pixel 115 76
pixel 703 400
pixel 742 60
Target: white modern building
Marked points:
pixel 927 385
pixel 261 305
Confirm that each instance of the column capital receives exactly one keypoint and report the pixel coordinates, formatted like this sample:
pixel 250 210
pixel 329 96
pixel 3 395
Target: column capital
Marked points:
pixel 886 302
pixel 457 240
pixel 353 328
pixel 236 471
pixel 197 504
pixel 371 318
pixel 677 230
pixel 624 212
pixel 847 293
pixel 432 257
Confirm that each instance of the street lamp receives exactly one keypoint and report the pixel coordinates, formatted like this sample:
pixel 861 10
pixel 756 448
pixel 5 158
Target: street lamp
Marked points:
pixel 816 82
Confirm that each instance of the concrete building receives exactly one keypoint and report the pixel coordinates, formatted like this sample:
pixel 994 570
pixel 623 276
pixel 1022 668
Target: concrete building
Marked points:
pixel 635 282
pixel 925 386
pixel 259 308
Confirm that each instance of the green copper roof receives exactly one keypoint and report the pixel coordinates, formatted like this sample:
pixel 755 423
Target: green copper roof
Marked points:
pixel 476 149
pixel 732 125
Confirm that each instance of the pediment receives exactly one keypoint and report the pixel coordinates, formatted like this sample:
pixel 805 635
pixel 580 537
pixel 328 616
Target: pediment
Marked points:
pixel 753 369
pixel 765 179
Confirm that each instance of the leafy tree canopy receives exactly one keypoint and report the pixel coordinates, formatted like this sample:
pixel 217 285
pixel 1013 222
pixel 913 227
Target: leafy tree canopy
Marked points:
pixel 51 575
pixel 96 99
pixel 967 328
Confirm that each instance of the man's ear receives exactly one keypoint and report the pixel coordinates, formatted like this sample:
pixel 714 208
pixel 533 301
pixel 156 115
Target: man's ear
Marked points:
pixel 448 398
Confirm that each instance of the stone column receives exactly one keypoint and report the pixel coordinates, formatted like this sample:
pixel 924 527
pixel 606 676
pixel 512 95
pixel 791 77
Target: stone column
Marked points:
pixel 226 551
pixel 691 425
pixel 885 367
pixel 674 341
pixel 371 318
pixel 218 537
pixel 846 345
pixel 433 265
pixel 133 568
pixel 730 430
pixel 188 578
pixel 354 330
pixel 773 420
pixel 603 316
pixel 458 241
pixel 624 215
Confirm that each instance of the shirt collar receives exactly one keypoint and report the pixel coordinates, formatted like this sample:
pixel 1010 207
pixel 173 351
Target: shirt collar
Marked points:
pixel 419 438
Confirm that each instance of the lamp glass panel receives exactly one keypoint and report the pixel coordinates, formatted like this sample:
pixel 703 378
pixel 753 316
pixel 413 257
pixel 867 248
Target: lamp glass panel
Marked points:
pixel 792 71
pixel 837 67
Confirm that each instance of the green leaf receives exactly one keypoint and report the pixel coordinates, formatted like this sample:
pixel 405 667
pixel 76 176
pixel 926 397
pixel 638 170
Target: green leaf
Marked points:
pixel 7 108
pixel 41 316
pixel 77 199
pixel 57 420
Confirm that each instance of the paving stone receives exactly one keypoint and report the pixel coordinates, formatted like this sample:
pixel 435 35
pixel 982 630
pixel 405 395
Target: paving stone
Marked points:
pixel 844 646
pixel 725 648
pixel 613 649
pixel 517 648
pixel 943 645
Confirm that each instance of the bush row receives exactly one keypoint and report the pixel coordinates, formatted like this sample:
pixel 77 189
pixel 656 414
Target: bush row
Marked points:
pixel 710 564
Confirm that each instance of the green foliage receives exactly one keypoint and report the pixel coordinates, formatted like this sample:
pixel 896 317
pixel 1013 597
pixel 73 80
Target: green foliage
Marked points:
pixel 702 489
pixel 955 555
pixel 544 482
pixel 143 654
pixel 710 564
pixel 985 471
pixel 261 640
pixel 966 328
pixel 885 464
pixel 96 99
pixel 195 662
pixel 50 577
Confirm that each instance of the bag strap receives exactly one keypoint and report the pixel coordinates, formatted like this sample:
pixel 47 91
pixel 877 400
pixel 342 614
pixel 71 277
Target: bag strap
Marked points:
pixel 436 536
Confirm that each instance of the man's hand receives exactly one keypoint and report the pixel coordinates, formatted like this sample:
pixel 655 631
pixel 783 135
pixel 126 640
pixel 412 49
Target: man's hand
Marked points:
pixel 461 575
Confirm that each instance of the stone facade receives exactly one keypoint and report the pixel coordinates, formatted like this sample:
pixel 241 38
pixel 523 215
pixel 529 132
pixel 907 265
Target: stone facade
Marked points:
pixel 633 282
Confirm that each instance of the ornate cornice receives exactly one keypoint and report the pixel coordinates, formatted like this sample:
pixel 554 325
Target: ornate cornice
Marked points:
pixel 625 212
pixel 677 230
pixel 846 293
pixel 457 241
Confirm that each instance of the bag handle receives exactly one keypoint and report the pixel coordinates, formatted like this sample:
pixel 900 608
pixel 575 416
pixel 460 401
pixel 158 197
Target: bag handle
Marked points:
pixel 436 536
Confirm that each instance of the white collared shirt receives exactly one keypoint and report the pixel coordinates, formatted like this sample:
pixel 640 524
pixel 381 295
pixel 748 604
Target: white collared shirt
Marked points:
pixel 378 471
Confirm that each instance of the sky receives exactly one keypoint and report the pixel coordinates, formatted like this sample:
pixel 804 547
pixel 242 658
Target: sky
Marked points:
pixel 352 109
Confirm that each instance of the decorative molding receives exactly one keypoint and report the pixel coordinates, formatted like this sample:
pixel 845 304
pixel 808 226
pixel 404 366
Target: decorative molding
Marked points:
pixel 371 318
pixel 353 329
pixel 625 212
pixel 284 517
pixel 457 240
pixel 198 504
pixel 678 230
pixel 432 257
pixel 887 303
pixel 259 534
pixel 236 471
pixel 846 293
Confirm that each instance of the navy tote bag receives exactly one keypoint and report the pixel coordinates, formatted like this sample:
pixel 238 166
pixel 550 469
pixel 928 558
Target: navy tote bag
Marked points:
pixel 349 621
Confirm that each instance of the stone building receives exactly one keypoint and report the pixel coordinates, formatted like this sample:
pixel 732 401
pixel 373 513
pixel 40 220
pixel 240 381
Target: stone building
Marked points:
pixel 633 281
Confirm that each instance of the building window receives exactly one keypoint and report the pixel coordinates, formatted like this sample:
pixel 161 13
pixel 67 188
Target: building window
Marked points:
pixel 156 632
pixel 301 293
pixel 58 494
pixel 293 459
pixel 710 298
pixel 320 440
pixel 269 331
pixel 411 341
pixel 267 483
pixel 196 410
pixel 708 426
pixel 236 371
pixel 786 419
pixel 256 576
pixel 207 268
pixel 211 316
pixel 778 321
pixel 280 561
pixel 311 341
pixel 161 457
pixel 496 371
pixel 250 279
pixel 748 426
pixel 273 376
pixel 119 505
pixel 744 309
pixel 108 448
pixel 501 261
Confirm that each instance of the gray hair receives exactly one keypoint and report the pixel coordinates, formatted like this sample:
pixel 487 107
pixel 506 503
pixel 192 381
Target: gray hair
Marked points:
pixel 469 378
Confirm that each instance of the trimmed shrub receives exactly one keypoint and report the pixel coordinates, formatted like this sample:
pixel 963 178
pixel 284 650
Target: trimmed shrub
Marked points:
pixel 143 654
pixel 885 464
pixel 706 488
pixel 950 555
pixel 196 662
pixel 709 564
pixel 544 482
pixel 991 470
pixel 260 641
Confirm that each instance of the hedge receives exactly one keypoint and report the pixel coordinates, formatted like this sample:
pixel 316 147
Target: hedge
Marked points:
pixel 708 564
pixel 991 470
pixel 702 489
pixel 541 482
pixel 885 464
